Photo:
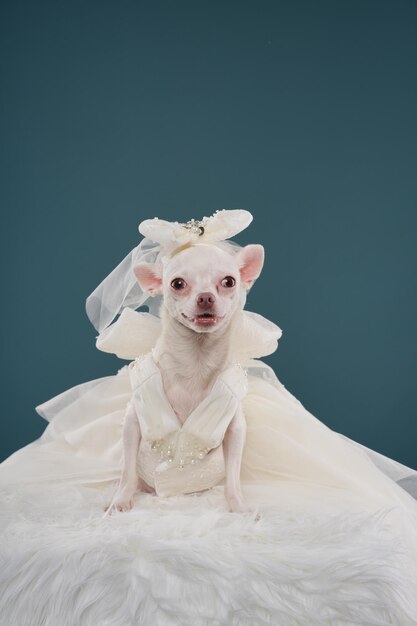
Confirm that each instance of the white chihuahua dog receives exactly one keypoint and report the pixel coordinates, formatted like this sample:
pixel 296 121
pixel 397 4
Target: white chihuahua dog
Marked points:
pixel 202 288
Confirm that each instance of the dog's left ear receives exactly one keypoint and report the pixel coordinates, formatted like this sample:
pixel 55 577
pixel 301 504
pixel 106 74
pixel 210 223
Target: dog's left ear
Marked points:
pixel 149 277
pixel 250 260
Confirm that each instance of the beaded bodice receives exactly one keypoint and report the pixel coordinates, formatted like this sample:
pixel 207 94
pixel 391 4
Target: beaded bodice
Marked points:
pixel 182 448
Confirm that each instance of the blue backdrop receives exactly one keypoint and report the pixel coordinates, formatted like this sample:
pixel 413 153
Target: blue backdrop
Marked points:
pixel 303 112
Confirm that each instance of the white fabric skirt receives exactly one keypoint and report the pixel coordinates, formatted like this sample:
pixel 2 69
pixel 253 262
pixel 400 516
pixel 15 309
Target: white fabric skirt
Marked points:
pixel 331 539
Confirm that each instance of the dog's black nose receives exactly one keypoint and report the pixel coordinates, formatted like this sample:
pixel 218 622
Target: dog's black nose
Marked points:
pixel 206 300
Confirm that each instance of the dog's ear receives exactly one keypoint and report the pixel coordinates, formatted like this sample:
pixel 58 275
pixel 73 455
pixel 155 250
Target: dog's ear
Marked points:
pixel 250 260
pixel 149 277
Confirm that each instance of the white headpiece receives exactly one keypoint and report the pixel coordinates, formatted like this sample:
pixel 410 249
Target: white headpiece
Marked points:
pixel 120 289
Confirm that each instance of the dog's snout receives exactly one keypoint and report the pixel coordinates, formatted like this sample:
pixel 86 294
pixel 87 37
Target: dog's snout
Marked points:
pixel 206 300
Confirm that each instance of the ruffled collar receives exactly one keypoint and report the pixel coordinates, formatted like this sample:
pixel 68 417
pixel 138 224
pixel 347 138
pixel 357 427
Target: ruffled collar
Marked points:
pixel 136 333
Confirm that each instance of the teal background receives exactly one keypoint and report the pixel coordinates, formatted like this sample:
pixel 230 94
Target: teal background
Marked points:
pixel 303 112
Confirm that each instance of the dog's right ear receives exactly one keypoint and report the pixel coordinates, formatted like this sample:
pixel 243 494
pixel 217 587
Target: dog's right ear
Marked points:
pixel 250 259
pixel 149 277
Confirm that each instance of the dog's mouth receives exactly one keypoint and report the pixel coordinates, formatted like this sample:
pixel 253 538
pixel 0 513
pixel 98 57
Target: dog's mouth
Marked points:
pixel 204 319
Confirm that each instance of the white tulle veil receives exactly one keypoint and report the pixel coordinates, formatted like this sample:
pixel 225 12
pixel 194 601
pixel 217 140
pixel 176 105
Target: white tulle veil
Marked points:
pixel 120 289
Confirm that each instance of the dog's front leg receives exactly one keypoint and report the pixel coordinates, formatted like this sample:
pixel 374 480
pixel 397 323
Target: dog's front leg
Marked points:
pixel 123 500
pixel 233 444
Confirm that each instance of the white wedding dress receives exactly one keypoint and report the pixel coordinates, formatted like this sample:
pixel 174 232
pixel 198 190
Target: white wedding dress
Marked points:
pixel 336 542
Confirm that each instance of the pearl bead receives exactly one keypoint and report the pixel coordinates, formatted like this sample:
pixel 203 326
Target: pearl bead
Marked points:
pixel 187 449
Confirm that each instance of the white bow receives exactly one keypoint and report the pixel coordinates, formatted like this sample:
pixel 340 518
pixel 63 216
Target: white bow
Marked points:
pixel 222 225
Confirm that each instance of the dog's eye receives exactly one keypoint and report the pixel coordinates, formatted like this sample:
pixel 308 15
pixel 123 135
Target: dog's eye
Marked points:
pixel 228 282
pixel 178 283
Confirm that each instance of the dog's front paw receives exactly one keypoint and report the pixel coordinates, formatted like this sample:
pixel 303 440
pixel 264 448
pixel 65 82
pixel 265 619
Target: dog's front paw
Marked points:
pixel 119 505
pixel 122 502
pixel 236 504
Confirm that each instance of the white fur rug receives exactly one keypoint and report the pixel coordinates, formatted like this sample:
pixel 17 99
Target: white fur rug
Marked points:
pixel 187 561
